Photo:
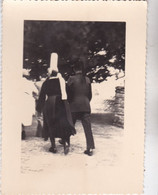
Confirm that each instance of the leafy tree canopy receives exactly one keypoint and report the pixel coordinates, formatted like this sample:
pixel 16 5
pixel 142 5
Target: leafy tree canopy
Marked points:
pixel 98 45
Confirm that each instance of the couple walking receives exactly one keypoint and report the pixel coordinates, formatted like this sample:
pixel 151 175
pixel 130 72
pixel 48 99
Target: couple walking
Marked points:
pixel 65 104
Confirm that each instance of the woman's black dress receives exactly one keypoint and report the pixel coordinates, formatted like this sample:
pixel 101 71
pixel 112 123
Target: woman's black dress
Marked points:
pixel 56 112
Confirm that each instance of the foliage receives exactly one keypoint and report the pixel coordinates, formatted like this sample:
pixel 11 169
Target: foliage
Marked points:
pixel 97 44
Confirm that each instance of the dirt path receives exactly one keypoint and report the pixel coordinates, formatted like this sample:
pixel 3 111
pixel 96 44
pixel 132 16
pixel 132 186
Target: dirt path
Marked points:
pixel 108 140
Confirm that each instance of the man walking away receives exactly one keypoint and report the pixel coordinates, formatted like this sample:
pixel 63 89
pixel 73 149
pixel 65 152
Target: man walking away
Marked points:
pixel 79 96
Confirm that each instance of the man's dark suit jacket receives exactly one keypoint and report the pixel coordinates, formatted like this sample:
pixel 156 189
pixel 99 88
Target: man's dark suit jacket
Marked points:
pixel 79 93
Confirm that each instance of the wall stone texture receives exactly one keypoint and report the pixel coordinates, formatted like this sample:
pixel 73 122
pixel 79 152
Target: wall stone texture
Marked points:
pixel 119 106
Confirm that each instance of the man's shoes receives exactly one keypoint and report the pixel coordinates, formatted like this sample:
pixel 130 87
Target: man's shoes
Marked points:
pixel 53 150
pixel 89 152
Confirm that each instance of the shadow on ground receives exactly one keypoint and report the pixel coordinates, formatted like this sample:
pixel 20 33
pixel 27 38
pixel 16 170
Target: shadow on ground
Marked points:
pixel 102 118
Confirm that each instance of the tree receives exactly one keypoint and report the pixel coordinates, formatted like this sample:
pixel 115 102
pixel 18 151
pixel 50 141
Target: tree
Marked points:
pixel 98 44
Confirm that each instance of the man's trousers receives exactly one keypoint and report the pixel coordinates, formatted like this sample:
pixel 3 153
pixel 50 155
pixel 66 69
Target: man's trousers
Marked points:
pixel 86 123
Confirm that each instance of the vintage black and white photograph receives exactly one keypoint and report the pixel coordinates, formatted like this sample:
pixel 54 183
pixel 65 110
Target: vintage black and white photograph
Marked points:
pixel 74 76
pixel 73 97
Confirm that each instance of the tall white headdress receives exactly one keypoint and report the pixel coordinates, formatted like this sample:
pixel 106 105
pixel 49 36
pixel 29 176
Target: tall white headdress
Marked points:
pixel 53 62
pixel 54 66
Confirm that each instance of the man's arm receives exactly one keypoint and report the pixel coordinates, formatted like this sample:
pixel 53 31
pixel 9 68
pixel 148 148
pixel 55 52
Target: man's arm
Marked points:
pixel 90 89
pixel 90 93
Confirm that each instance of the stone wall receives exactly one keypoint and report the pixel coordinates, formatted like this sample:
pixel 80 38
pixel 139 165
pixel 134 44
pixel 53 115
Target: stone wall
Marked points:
pixel 119 107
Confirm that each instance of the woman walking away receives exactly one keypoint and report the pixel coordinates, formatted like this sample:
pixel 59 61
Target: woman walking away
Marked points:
pixel 52 101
